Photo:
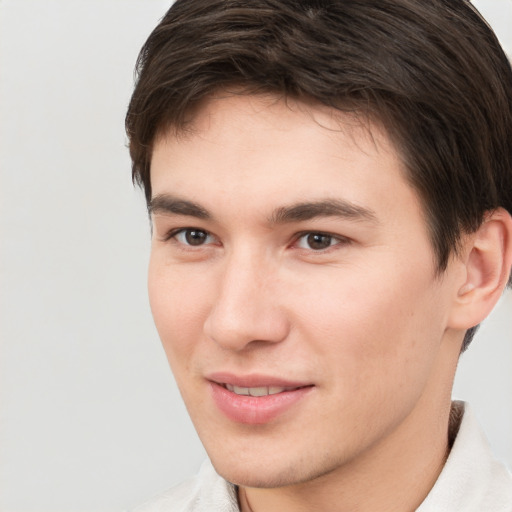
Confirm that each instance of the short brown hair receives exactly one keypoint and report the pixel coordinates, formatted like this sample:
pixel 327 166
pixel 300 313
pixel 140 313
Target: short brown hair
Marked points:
pixel 431 71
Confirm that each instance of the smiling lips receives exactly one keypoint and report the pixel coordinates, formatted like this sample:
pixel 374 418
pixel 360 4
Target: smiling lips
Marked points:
pixel 244 400
pixel 257 391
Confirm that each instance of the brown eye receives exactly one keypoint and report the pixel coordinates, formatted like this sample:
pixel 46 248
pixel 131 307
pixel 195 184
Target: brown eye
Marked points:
pixel 193 237
pixel 316 241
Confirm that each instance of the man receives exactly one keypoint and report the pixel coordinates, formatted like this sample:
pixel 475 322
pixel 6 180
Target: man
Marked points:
pixel 330 189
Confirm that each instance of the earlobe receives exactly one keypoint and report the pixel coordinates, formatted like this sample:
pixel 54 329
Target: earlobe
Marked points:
pixel 488 264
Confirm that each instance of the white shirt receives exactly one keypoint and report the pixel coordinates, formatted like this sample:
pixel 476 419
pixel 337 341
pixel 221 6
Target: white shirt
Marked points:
pixel 471 481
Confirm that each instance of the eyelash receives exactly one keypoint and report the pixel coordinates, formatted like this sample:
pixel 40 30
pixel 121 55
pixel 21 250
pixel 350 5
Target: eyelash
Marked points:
pixel 174 233
pixel 334 240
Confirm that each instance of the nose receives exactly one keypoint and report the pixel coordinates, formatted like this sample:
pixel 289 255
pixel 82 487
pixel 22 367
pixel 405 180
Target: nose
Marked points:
pixel 246 310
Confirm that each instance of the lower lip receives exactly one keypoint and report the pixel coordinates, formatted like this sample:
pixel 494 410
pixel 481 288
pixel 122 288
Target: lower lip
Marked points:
pixel 255 410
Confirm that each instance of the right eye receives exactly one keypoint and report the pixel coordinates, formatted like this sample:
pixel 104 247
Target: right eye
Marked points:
pixel 192 237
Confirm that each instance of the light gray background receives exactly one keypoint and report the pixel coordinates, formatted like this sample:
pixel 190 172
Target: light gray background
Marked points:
pixel 90 418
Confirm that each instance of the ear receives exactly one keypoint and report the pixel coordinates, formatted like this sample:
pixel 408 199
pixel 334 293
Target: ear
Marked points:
pixel 488 263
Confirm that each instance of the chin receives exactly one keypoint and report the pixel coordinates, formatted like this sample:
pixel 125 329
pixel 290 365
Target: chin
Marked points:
pixel 260 473
pixel 256 478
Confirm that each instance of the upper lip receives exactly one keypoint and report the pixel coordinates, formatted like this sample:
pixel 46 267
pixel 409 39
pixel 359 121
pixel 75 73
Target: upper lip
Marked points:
pixel 254 380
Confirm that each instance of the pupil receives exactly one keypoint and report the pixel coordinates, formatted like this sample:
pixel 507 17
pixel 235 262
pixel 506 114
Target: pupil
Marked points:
pixel 318 241
pixel 195 237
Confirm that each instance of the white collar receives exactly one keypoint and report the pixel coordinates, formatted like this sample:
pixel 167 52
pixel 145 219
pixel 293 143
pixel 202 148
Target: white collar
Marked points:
pixel 472 480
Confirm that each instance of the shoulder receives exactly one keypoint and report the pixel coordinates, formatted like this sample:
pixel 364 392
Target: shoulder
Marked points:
pixel 205 492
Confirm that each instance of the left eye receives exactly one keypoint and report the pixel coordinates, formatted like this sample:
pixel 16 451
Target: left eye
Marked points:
pixel 317 241
pixel 193 237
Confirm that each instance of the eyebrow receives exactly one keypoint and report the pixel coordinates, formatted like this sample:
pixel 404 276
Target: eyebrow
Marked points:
pixel 324 208
pixel 172 205
pixel 297 212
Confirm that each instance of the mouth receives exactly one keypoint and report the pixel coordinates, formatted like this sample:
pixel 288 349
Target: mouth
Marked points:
pixel 256 400
pixel 259 391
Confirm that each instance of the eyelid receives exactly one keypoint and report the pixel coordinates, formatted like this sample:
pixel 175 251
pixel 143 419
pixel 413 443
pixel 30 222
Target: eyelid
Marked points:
pixel 173 233
pixel 340 240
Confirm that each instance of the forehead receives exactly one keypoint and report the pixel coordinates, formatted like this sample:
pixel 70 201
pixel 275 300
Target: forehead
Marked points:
pixel 262 151
pixel 226 109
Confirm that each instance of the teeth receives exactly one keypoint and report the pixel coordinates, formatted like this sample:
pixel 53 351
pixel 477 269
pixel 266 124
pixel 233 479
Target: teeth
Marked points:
pixel 259 391
pixel 240 391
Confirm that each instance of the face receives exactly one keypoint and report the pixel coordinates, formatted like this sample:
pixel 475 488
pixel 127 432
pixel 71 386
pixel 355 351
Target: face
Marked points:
pixel 293 286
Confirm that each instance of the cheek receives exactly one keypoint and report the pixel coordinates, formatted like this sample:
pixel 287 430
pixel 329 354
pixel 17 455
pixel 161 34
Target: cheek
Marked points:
pixel 373 347
pixel 373 324
pixel 178 300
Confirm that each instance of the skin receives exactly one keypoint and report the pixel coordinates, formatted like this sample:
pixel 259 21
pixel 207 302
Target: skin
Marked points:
pixel 366 321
